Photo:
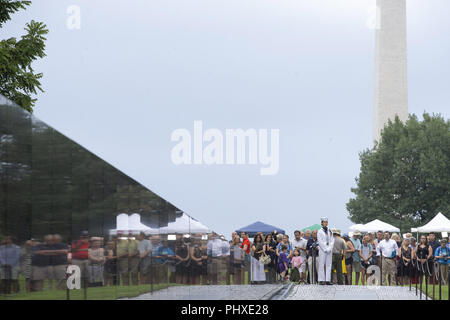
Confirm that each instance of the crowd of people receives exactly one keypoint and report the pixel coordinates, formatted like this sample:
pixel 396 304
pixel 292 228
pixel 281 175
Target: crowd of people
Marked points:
pixel 321 256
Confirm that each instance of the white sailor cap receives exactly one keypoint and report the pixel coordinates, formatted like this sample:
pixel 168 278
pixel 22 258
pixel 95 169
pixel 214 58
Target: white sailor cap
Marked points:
pixel 323 219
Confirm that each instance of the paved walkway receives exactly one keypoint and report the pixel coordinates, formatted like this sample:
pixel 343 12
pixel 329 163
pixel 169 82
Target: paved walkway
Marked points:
pixel 213 292
pixel 317 292
pixel 298 292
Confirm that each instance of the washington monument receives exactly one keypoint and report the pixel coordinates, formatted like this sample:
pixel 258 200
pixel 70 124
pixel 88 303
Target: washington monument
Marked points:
pixel 391 83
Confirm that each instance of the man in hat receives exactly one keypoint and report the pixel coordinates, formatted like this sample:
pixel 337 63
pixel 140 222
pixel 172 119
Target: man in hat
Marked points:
pixel 339 248
pixel 326 243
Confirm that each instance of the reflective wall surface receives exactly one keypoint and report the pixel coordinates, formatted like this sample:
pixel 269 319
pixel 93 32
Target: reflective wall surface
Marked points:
pixel 59 207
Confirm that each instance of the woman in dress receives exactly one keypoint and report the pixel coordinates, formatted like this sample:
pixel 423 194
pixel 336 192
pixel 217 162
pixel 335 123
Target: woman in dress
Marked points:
pixel 405 265
pixel 257 267
pixel 423 255
pixel 270 250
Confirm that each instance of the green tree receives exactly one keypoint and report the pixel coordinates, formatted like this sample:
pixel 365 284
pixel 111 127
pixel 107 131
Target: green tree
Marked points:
pixel 18 82
pixel 405 178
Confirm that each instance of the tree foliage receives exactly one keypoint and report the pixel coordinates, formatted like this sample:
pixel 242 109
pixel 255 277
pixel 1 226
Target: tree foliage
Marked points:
pixel 18 81
pixel 405 178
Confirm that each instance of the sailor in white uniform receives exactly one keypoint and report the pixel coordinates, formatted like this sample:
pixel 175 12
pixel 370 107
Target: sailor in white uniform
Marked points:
pixel 326 242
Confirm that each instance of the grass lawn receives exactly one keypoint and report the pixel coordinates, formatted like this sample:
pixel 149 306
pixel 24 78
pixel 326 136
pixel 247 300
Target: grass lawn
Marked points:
pixel 94 293
pixel 444 290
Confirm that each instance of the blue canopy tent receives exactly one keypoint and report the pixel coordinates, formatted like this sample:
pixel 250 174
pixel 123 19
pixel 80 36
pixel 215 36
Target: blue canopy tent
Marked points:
pixel 258 226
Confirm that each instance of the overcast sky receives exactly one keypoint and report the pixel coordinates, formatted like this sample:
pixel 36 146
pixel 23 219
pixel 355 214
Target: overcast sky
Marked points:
pixel 139 69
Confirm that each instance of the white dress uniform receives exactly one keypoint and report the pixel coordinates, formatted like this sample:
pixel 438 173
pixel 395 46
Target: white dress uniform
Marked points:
pixel 326 243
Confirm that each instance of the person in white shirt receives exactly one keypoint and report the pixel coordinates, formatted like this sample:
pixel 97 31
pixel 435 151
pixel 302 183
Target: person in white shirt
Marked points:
pixel 326 243
pixel 300 244
pixel 387 249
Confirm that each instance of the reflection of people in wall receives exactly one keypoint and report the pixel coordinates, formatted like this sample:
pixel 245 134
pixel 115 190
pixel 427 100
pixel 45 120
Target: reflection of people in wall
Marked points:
pixel 80 256
pixel 195 265
pixel 133 258
pixel 25 262
pixel 165 256
pixel 58 261
pixel 96 255
pixel 182 261
pixel 145 250
pixel 9 266
pixel 110 275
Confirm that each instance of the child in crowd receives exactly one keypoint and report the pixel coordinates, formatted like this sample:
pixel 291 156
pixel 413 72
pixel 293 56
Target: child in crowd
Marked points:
pixel 296 262
pixel 283 263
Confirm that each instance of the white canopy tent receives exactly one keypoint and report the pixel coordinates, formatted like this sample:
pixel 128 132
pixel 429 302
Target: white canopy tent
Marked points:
pixel 439 223
pixel 184 224
pixel 378 225
pixel 132 223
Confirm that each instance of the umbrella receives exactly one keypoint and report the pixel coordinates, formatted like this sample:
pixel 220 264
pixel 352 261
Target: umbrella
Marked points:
pixel 313 227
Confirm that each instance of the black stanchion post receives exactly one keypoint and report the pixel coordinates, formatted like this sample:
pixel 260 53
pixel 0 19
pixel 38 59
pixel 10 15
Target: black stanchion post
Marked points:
pixel 313 277
pixel 151 272
pixel 84 277
pixel 381 267
pixel 426 287
pixel 410 276
pixel 67 287
pixel 416 274
pixel 421 280
pixel 440 281
pixel 434 280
